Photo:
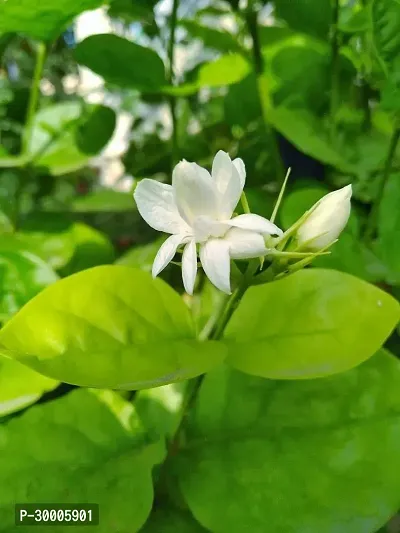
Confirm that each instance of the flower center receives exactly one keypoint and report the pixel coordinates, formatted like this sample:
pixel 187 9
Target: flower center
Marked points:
pixel 205 228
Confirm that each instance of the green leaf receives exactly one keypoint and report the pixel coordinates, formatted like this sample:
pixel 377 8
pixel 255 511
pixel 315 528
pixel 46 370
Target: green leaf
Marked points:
pixel 109 327
pixel 94 132
pixel 141 256
pixel 104 200
pixel 42 20
pixel 354 20
pixel 286 63
pixel 307 133
pixel 160 409
pixel 310 324
pixel 308 16
pixel 95 451
pixel 389 228
pixel 212 37
pixel 351 255
pixel 49 236
pixel 225 70
pixel 295 457
pixel 91 248
pixel 22 276
pixel 20 386
pixel 52 143
pixel 170 520
pixel 122 62
pixel 132 11
pixel 270 35
pixel 386 33
pixel 245 92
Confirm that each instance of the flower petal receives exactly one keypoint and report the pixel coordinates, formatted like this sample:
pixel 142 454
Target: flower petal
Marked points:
pixel 167 252
pixel 245 244
pixel 214 257
pixel 256 223
pixel 239 165
pixel 189 266
pixel 228 182
pixel 194 191
pixel 156 204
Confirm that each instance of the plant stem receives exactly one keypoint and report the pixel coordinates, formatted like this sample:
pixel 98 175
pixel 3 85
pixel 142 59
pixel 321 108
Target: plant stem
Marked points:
pixel 171 77
pixel 335 46
pixel 373 218
pixel 33 96
pixel 252 26
pixel 233 301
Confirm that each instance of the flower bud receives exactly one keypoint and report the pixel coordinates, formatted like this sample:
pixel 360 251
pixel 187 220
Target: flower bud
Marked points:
pixel 325 223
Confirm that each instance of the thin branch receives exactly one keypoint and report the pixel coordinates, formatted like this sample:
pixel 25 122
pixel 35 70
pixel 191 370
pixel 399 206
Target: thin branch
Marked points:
pixel 33 96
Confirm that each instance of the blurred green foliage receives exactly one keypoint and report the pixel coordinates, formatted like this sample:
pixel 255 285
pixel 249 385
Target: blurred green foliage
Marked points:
pixel 309 84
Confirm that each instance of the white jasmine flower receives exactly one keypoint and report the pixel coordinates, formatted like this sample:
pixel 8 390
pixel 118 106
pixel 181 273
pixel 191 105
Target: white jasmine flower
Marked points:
pixel 327 220
pixel 197 209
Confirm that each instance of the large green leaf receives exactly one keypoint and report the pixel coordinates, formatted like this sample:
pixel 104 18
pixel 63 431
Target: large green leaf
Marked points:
pixel 20 386
pixel 307 134
pixel 41 19
pixel 122 62
pixel 22 275
pixel 53 143
pixel 295 457
pixel 389 228
pixel 94 451
pixel 310 324
pixel 109 327
pixel 308 16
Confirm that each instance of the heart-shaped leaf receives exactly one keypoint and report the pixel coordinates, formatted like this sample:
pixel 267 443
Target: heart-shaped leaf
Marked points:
pixel 306 456
pixel 86 447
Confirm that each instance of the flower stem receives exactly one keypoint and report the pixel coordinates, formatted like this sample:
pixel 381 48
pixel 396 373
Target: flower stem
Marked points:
pixel 251 17
pixel 233 301
pixel 335 46
pixel 171 77
pixel 373 218
pixel 33 96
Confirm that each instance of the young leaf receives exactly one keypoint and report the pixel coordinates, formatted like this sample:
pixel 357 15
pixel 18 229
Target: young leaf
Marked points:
pixel 109 327
pixel 295 457
pixel 311 324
